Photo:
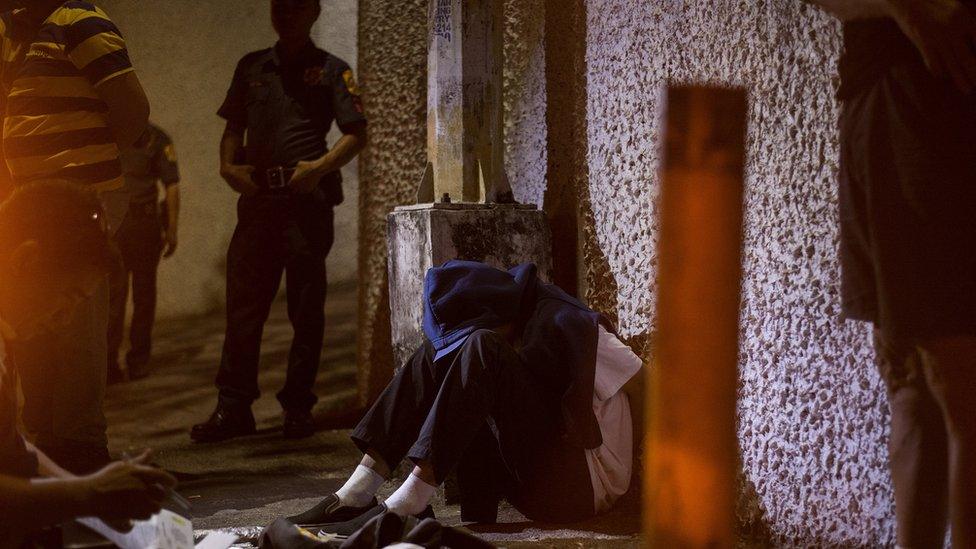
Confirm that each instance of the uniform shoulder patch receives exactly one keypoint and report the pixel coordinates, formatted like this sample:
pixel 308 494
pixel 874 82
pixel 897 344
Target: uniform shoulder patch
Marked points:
pixel 350 79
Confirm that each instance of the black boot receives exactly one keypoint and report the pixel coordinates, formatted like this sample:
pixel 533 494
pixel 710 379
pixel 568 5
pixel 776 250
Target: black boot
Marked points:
pixel 298 424
pixel 225 423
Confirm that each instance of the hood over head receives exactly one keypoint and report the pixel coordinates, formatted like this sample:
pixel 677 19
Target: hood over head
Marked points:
pixel 463 296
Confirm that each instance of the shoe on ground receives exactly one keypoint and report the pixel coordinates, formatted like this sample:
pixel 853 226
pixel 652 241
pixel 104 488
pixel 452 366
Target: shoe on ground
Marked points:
pixel 139 371
pixel 351 526
pixel 224 424
pixel 298 424
pixel 330 510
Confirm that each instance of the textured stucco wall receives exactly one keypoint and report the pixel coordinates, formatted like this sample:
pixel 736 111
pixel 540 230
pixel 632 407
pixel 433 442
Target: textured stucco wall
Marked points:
pixel 185 52
pixel 393 74
pixel 812 412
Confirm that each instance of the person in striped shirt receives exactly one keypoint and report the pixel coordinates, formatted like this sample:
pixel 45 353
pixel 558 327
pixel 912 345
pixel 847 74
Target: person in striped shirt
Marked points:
pixel 70 100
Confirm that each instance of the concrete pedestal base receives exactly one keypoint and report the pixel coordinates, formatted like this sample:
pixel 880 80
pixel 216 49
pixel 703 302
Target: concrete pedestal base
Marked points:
pixel 423 236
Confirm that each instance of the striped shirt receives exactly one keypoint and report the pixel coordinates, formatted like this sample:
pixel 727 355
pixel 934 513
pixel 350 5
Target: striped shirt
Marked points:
pixel 55 125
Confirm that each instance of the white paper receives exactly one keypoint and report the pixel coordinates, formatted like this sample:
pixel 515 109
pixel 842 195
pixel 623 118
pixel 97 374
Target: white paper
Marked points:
pixel 217 540
pixel 165 530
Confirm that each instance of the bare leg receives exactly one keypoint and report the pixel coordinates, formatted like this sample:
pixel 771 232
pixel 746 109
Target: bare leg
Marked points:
pixel 372 460
pixel 425 472
pixel 950 365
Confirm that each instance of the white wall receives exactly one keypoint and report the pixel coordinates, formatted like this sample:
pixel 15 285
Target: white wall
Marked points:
pixel 185 52
pixel 812 411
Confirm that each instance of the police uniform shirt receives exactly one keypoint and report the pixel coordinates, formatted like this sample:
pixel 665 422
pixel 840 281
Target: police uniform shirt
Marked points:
pixel 150 161
pixel 288 107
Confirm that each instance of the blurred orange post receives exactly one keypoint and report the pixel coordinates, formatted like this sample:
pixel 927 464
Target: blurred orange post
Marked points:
pixel 692 447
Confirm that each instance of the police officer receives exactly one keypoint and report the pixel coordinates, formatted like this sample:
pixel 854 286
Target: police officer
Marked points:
pixel 280 106
pixel 146 233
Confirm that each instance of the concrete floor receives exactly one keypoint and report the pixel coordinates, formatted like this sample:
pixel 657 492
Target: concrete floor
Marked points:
pixel 250 482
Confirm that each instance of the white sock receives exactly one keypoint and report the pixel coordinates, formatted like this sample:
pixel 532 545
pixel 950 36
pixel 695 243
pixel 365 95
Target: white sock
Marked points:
pixel 362 485
pixel 411 497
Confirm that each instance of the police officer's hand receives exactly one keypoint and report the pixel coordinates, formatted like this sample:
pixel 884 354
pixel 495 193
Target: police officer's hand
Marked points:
pixel 306 177
pixel 170 241
pixel 944 31
pixel 239 178
pixel 125 491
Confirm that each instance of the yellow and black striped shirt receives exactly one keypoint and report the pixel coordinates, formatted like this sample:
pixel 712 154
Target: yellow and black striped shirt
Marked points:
pixel 55 125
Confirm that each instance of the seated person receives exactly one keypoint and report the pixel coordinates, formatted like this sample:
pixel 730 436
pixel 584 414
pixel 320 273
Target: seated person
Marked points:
pixel 53 253
pixel 518 386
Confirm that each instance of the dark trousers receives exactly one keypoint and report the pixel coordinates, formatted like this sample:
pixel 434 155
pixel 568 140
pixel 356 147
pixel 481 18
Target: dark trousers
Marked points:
pixel 63 379
pixel 918 447
pixel 140 242
pixel 481 410
pixel 290 234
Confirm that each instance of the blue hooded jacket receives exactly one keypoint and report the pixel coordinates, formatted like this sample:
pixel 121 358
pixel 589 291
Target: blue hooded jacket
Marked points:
pixel 558 333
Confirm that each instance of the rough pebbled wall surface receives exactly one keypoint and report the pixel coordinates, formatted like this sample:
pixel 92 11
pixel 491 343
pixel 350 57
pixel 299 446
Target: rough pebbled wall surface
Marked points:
pixel 393 73
pixel 812 411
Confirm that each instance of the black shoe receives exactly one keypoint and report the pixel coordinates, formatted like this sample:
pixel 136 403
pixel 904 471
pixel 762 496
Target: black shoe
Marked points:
pixel 298 424
pixel 330 510
pixel 139 371
pixel 351 526
pixel 115 375
pixel 225 423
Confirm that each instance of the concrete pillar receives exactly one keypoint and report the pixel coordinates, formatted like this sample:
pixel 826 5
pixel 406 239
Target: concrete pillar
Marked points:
pixel 465 150
pixel 424 236
pixel 465 145
pixel 691 464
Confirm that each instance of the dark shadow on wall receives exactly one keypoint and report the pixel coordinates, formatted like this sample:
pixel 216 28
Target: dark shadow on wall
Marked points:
pixel 567 173
pixel 567 197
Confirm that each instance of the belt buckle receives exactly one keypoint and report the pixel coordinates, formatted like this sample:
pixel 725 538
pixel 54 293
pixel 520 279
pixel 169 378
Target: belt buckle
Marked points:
pixel 276 178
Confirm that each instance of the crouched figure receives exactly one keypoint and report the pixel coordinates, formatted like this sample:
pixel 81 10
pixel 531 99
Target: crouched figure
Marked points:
pixel 518 387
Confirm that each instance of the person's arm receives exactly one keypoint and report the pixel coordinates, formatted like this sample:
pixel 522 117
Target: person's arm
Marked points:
pixel 96 48
pixel 173 221
pixel 636 391
pixel 348 109
pixel 943 31
pixel 28 505
pixel 308 174
pixel 238 176
pixel 128 107
pixel 120 491
pixel 167 169
pixel 46 466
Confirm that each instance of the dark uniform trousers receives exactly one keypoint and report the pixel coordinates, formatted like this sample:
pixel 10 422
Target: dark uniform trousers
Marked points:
pixel 140 242
pixel 480 410
pixel 276 233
